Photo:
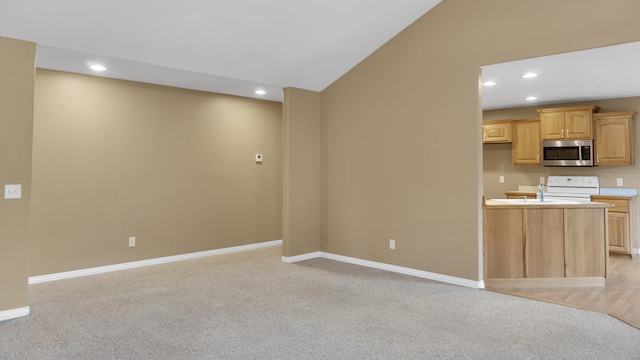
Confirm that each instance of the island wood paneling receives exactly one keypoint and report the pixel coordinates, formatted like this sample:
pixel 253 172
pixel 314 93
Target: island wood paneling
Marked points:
pixel 544 243
pixel 585 258
pixel 504 248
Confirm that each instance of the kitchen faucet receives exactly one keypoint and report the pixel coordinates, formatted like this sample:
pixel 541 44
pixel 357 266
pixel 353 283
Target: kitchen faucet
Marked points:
pixel 541 187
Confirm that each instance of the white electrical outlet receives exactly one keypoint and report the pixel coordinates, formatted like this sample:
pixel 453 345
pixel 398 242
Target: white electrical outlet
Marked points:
pixel 619 182
pixel 13 191
pixel 501 179
pixel 392 244
pixel 132 241
pixel 542 180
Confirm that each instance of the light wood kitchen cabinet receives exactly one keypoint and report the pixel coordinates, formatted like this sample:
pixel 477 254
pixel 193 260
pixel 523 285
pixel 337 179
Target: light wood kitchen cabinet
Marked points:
pixel 520 195
pixel 619 233
pixel 621 226
pixel 525 149
pixel 544 245
pixel 497 131
pixel 567 123
pixel 614 138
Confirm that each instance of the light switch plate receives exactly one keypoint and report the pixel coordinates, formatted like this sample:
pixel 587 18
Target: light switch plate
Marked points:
pixel 13 191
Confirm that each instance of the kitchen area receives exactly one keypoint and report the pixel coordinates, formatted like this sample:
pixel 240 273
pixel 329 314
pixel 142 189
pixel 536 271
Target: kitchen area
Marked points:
pixel 589 159
pixel 560 204
pixel 622 215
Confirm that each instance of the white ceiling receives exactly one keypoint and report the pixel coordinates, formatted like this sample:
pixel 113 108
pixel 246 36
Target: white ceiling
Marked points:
pixel 238 46
pixel 601 73
pixel 227 46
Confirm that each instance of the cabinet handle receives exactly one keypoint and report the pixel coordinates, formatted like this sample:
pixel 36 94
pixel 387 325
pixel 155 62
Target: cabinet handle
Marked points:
pixel 568 136
pixel 484 137
pixel 598 158
pixel 538 158
pixel 562 133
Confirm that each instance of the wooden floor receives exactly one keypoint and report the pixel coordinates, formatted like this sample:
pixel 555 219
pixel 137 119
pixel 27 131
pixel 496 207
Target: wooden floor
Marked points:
pixel 620 297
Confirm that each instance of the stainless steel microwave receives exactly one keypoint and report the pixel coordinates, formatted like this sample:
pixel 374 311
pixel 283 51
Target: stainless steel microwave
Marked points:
pixel 567 152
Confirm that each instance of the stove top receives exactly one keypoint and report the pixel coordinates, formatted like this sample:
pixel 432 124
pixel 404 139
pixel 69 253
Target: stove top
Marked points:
pixel 574 187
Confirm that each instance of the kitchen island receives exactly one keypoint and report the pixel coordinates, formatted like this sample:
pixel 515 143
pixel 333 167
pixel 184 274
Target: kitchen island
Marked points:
pixel 536 243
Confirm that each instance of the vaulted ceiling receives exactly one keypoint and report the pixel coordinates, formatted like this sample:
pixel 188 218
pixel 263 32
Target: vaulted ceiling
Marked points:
pixel 228 46
pixel 240 46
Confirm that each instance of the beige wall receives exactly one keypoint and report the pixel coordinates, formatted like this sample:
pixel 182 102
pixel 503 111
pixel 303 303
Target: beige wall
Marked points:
pixel 175 168
pixel 16 114
pixel 302 178
pixel 403 130
pixel 399 138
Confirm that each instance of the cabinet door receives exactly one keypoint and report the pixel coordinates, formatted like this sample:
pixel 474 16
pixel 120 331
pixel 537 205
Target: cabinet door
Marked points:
pixel 544 243
pixel 585 253
pixel 613 144
pixel 619 232
pixel 496 133
pixel 552 125
pixel 578 124
pixel 526 143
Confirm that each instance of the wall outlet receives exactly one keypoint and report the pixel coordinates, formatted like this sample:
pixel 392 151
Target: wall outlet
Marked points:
pixel 13 191
pixel 392 244
pixel 132 241
pixel 542 180
pixel 501 179
pixel 619 182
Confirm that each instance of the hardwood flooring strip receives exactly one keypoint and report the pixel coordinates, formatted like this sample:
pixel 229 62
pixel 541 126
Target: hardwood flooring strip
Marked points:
pixel 620 298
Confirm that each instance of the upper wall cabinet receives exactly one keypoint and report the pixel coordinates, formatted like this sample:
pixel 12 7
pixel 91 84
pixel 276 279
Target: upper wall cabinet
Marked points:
pixel 614 138
pixel 498 131
pixel 567 123
pixel 525 149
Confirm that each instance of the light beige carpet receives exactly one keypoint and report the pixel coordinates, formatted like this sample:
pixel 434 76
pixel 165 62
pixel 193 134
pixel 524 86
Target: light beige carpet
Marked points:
pixel 250 305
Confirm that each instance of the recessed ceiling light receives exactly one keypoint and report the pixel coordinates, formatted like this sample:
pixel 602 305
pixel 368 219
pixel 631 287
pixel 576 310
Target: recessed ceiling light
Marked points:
pixel 97 67
pixel 260 92
pixel 531 98
pixel 529 75
pixel 489 83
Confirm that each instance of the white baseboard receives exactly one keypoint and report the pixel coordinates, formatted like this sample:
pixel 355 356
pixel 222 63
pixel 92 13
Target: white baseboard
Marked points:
pixel 293 259
pixel 14 313
pixel 387 267
pixel 156 261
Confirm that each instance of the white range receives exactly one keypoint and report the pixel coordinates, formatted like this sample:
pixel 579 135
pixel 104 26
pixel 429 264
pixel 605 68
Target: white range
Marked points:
pixel 574 188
